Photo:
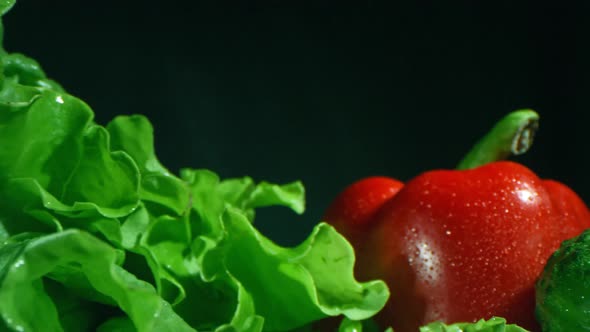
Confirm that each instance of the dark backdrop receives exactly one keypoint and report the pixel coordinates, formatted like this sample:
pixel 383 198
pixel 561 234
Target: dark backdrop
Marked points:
pixel 324 92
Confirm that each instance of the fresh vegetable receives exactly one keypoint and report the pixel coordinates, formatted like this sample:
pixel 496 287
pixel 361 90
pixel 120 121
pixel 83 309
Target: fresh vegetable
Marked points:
pixel 96 234
pixel 494 324
pixel 352 211
pixel 347 325
pixel 462 245
pixel 563 291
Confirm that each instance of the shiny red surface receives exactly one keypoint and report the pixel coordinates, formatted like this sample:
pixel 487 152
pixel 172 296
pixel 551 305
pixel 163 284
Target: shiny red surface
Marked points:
pixel 351 213
pixel 465 245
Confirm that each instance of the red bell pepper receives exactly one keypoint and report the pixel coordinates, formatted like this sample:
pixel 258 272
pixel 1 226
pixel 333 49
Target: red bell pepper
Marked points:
pixel 353 211
pixel 461 245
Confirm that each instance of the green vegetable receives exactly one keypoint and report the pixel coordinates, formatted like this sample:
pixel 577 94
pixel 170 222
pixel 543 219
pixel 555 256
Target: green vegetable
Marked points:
pixel 563 290
pixel 494 324
pixel 96 234
pixel 512 135
pixel 368 325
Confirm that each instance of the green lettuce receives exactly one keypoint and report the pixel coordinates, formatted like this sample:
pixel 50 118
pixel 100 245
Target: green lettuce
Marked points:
pixel 494 324
pixel 97 235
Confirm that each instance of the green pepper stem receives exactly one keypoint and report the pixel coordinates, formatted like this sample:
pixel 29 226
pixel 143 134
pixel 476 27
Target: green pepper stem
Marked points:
pixel 512 135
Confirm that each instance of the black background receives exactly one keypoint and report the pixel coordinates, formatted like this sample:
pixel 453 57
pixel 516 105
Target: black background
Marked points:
pixel 326 92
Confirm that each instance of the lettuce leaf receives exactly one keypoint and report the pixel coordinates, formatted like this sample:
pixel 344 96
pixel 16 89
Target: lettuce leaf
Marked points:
pixel 494 324
pixel 367 325
pixel 5 6
pixel 26 306
pixel 96 234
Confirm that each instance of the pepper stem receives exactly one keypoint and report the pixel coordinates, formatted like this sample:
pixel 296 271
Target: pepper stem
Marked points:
pixel 512 135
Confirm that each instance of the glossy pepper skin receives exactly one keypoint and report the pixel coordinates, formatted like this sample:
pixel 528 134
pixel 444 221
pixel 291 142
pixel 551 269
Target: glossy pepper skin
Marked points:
pixel 465 245
pixel 352 212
